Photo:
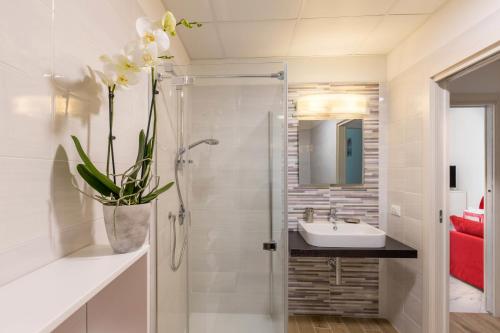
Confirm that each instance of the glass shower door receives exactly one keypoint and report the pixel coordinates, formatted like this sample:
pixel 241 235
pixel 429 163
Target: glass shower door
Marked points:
pixel 236 200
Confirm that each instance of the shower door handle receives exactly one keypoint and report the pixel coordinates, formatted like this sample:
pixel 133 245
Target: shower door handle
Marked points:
pixel 270 246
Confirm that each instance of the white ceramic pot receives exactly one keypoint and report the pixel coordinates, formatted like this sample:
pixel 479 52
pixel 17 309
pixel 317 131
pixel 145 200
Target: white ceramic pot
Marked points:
pixel 127 226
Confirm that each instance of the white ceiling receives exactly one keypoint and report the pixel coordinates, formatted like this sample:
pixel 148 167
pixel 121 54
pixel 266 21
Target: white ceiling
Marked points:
pixel 281 28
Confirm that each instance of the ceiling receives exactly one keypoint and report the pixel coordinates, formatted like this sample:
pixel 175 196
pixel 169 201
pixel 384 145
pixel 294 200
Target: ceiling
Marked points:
pixel 290 28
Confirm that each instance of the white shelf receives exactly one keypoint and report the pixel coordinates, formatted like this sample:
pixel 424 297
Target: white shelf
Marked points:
pixel 42 300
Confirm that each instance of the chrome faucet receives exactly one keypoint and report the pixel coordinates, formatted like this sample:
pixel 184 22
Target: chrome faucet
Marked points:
pixel 309 215
pixel 332 218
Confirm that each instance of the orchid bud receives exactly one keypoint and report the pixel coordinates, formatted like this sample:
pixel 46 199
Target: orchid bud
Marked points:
pixel 168 23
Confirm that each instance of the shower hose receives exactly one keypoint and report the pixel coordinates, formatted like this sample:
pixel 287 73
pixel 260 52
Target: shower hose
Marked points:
pixel 175 263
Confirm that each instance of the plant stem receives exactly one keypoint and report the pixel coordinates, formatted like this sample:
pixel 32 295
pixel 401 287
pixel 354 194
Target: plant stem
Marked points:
pixel 111 150
pixel 151 116
pixel 109 143
pixel 152 108
pixel 155 92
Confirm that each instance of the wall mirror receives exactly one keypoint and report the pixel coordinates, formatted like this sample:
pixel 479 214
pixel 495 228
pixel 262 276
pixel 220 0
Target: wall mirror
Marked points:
pixel 331 152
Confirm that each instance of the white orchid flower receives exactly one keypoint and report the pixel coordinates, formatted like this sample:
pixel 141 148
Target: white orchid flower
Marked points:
pixel 118 70
pixel 124 63
pixel 169 23
pixel 108 74
pixel 151 32
pixel 126 79
pixel 145 55
pixel 109 79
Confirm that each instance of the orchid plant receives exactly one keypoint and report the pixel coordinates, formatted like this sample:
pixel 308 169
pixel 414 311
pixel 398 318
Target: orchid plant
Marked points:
pixel 136 185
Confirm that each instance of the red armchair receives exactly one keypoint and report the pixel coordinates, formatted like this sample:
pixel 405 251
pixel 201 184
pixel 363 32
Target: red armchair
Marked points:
pixel 467 251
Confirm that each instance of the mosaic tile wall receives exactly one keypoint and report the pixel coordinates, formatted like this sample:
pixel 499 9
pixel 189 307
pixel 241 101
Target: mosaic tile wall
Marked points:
pixel 311 280
pixel 312 288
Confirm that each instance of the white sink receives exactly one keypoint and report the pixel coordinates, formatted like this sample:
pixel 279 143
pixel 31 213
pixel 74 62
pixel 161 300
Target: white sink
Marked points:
pixel 322 234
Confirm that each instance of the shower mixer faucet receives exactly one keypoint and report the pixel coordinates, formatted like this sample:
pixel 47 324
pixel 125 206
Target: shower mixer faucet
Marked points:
pixel 181 216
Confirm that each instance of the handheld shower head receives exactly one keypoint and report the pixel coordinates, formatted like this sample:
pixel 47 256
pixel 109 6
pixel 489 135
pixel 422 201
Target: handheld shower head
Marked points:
pixel 178 164
pixel 211 142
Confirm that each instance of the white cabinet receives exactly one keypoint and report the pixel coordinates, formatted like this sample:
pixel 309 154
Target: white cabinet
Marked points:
pixel 457 202
pixel 90 291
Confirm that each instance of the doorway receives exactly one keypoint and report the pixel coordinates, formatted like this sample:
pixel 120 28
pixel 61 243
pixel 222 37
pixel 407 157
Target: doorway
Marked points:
pixel 465 169
pixel 467 159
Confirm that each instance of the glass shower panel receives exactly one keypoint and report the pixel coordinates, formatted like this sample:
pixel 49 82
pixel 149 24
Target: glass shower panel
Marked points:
pixel 279 269
pixel 236 200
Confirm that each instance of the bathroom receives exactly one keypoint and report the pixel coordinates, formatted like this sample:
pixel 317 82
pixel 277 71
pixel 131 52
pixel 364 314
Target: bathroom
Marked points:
pixel 290 169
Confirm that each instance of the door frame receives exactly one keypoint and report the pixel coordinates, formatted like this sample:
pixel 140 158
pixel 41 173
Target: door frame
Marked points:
pixel 438 239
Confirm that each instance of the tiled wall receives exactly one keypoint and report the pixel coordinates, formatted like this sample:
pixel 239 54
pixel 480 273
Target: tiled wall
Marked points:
pixel 404 278
pixel 47 94
pixel 229 199
pixel 313 290
pixel 360 202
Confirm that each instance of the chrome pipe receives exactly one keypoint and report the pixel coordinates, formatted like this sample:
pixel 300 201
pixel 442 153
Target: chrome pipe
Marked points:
pixel 187 79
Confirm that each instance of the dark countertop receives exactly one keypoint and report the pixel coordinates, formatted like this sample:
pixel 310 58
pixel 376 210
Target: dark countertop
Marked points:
pixel 298 247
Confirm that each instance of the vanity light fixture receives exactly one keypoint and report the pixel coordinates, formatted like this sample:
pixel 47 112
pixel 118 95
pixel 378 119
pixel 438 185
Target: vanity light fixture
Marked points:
pixel 326 106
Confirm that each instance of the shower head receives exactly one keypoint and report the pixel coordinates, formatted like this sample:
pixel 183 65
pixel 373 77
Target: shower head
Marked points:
pixel 178 164
pixel 211 142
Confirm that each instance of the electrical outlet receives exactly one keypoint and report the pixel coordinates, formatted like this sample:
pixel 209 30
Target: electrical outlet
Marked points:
pixel 395 210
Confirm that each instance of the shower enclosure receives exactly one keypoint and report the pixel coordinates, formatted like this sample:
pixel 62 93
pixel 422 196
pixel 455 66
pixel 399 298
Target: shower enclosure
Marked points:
pixel 231 274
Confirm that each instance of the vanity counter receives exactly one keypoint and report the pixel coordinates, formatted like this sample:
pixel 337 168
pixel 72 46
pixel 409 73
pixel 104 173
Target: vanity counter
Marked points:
pixel 298 247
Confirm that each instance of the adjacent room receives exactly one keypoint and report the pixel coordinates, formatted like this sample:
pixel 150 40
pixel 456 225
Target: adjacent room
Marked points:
pixel 467 157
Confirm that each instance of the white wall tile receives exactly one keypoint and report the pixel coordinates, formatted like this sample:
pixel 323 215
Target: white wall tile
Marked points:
pixel 27 46
pixel 405 178
pixel 214 282
pixel 26 126
pixel 25 201
pixel 413 308
pixel 413 232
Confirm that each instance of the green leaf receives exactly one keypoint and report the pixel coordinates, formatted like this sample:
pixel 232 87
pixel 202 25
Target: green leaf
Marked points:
pixel 151 196
pixel 146 166
pixel 92 180
pixel 92 169
pixel 129 189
